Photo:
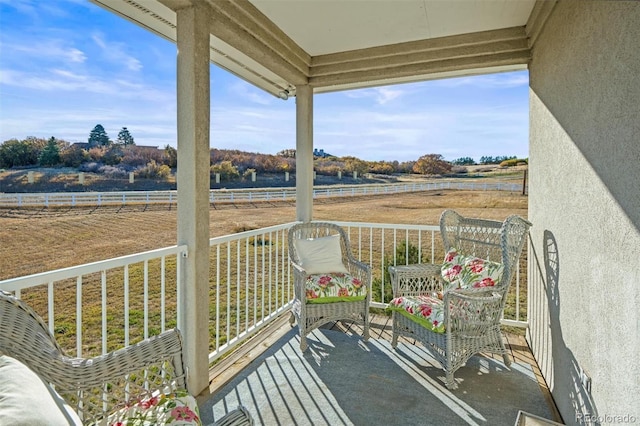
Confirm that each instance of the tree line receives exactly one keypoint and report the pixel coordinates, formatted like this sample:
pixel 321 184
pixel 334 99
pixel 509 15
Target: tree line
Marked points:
pixel 468 161
pixel 118 158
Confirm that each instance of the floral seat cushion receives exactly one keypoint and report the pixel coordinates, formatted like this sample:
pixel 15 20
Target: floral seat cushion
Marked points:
pixel 427 310
pixel 460 271
pixel 175 409
pixel 334 287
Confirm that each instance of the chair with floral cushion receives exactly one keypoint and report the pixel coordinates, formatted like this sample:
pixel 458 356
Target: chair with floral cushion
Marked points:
pixel 454 308
pixel 137 385
pixel 329 283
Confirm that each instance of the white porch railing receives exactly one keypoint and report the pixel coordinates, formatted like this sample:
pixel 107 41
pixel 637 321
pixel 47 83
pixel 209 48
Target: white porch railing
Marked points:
pixel 384 245
pixel 101 306
pixel 250 283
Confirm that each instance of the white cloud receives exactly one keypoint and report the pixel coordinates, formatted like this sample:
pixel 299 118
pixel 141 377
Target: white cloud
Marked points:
pixel 42 9
pixel 59 80
pixel 490 81
pixel 242 90
pixel 45 48
pixel 115 52
pixel 408 132
pixel 381 95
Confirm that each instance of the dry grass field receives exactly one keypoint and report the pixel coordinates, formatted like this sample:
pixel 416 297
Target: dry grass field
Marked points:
pixel 39 240
pixel 35 241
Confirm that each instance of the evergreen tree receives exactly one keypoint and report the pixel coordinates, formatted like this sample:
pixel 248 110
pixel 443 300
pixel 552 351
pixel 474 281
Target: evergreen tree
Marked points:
pixel 171 156
pixel 125 138
pixel 50 155
pixel 98 137
pixel 464 161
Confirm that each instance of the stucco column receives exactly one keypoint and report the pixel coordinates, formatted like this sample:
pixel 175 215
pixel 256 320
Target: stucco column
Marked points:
pixel 193 190
pixel 304 153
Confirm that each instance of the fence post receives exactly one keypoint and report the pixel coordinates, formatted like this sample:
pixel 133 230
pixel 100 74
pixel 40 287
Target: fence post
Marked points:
pixel 339 174
pixel 131 178
pixel 286 176
pixel 217 177
pixel 81 178
pixel 30 177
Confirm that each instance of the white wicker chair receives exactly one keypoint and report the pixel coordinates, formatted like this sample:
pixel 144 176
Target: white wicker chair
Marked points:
pixel 312 315
pixel 471 316
pixel 98 386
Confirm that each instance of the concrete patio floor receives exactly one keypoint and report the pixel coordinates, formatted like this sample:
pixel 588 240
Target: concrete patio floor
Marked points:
pixel 342 380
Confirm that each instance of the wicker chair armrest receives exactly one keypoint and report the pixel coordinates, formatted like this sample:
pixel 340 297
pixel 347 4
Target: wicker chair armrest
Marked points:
pixel 298 268
pixel 359 270
pixel 471 312
pixel 415 279
pixel 96 387
pixel 147 353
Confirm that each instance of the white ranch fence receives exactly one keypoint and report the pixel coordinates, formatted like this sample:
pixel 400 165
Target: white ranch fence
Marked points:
pixel 72 199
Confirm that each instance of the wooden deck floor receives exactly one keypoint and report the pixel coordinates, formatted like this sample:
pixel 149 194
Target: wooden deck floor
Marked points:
pixel 380 328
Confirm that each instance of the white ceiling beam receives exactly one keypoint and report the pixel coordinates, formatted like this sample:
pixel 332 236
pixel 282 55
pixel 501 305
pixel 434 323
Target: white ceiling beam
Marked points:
pixel 419 71
pixel 424 57
pixel 177 4
pixel 254 22
pixel 237 36
pixel 470 39
pixel 247 43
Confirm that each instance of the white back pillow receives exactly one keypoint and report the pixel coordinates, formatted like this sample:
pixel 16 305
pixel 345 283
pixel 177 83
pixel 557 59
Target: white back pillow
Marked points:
pixel 25 399
pixel 321 255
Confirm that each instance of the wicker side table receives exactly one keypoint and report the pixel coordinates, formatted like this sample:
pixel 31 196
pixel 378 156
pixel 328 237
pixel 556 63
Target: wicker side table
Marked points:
pixel 414 280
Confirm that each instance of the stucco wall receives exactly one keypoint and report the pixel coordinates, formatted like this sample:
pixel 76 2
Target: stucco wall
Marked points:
pixel 584 202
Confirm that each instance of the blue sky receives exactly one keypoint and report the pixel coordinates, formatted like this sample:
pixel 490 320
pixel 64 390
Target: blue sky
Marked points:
pixel 67 65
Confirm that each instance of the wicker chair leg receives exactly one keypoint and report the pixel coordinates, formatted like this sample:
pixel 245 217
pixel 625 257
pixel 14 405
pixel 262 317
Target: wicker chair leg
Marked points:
pixel 303 342
pixel 449 381
pixel 507 360
pixel 365 334
pixel 394 331
pixel 238 417
pixel 292 319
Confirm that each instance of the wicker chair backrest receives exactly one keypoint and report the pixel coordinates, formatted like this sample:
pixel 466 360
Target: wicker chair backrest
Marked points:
pixel 25 337
pixel 492 240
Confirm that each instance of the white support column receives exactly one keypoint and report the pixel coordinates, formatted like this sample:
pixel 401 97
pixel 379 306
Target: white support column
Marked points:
pixel 193 190
pixel 304 153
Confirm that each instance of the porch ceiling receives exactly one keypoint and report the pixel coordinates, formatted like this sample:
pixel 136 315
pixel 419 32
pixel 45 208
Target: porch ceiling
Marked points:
pixel 344 44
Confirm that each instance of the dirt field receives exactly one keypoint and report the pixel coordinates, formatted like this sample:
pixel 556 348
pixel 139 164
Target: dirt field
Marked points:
pixel 33 241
